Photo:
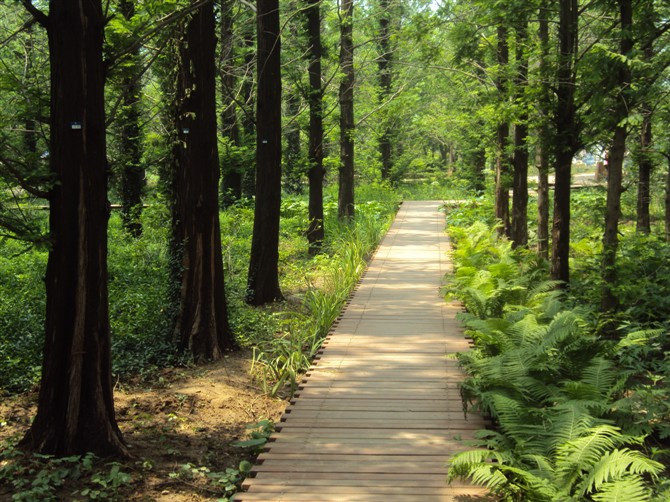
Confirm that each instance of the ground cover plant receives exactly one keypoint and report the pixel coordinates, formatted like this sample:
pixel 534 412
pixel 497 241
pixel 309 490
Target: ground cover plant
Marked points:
pixel 574 418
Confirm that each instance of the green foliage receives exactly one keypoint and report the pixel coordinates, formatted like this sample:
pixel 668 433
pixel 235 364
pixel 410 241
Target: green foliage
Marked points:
pixel 36 477
pixel 259 435
pixel 568 409
pixel 224 483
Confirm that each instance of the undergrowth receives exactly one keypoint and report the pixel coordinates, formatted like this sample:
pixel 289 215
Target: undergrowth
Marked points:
pixel 573 411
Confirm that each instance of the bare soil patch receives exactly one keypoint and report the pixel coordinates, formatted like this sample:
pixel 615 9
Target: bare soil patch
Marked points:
pixel 188 416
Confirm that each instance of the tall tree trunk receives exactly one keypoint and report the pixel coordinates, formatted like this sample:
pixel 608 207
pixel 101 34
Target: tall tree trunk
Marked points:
pixel 293 169
pixel 132 174
pixel 645 166
pixel 315 231
pixel 231 184
pixel 567 139
pixel 249 123
pixel 519 230
pixel 384 63
pixel 202 323
pixel 610 238
pixel 263 282
pixel 544 140
pixel 75 411
pixel 345 203
pixel 502 138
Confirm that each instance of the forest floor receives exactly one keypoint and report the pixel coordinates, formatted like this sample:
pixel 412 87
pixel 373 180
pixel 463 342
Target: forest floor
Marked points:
pixel 187 420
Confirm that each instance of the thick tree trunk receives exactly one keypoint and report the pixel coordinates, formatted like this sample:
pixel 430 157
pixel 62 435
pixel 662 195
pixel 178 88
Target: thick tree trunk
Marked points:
pixel 567 139
pixel 202 323
pixel 315 231
pixel 645 167
pixel 231 179
pixel 76 408
pixel 385 81
pixel 503 174
pixel 544 140
pixel 519 229
pixel 132 174
pixel 609 300
pixel 263 281
pixel 345 203
pixel 293 169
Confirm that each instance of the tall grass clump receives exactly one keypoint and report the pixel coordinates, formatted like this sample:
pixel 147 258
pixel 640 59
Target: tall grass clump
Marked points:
pixel 560 397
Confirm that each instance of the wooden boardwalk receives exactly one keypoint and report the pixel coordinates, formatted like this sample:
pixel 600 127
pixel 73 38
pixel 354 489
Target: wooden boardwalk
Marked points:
pixel 379 413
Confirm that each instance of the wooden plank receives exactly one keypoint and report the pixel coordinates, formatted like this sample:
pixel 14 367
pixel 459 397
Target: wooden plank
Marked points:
pixel 361 497
pixel 383 424
pixel 373 415
pixel 319 466
pixel 348 479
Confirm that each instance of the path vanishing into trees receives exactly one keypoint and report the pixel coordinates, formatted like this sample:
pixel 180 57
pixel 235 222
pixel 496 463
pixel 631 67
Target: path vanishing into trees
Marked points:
pixel 379 413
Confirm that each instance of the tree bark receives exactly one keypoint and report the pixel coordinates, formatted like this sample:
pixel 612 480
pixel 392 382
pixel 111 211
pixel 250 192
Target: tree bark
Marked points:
pixel 609 300
pixel 76 408
pixel 384 63
pixel 316 173
pixel 248 123
pixel 645 166
pixel 519 229
pixel 345 206
pixel 502 138
pixel 132 174
pixel 202 323
pixel 544 140
pixel 263 281
pixel 567 139
pixel 231 185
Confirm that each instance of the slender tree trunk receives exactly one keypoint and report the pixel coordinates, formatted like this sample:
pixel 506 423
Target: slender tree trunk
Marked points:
pixel 315 231
pixel 646 19
pixel 502 138
pixel 566 141
pixel 384 63
pixel 543 202
pixel 202 323
pixel 76 407
pixel 263 282
pixel 249 124
pixel 294 172
pixel 645 167
pixel 132 174
pixel 345 206
pixel 544 140
pixel 610 238
pixel 519 230
pixel 231 185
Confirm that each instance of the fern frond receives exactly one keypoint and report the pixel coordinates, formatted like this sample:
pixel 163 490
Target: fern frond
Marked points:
pixel 600 374
pixel 626 489
pixel 615 465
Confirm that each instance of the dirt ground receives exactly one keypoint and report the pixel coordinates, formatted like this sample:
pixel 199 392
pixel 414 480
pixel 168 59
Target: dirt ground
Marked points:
pixel 190 415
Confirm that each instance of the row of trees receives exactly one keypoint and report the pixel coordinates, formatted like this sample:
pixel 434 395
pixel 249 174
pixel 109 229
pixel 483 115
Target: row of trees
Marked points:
pixel 102 61
pixel 143 91
pixel 555 78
